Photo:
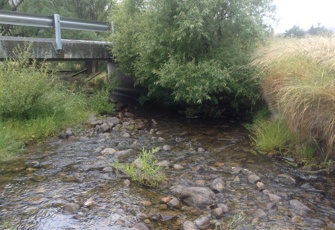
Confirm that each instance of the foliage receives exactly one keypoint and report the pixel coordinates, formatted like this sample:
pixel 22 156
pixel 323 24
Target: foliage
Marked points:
pixel 100 99
pixel 295 32
pixel 33 105
pixel 188 52
pixel 144 169
pixel 298 84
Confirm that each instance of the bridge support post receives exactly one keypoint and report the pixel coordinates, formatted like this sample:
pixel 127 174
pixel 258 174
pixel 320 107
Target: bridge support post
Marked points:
pixel 109 70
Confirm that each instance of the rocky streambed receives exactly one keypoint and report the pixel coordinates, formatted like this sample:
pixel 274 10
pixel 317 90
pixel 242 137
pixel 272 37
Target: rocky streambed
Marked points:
pixel 213 181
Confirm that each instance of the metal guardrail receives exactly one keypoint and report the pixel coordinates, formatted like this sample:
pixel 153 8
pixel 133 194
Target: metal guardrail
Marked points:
pixel 56 21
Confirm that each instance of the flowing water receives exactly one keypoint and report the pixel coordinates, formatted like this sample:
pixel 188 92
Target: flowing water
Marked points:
pixel 70 184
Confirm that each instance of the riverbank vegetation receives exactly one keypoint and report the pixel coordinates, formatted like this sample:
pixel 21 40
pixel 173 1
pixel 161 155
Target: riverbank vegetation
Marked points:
pixel 35 105
pixel 297 78
pixel 192 53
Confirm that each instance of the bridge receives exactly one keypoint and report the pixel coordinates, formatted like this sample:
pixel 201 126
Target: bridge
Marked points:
pixel 58 49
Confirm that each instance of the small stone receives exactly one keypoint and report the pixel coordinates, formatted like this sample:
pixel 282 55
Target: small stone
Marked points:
pixel 126 182
pixel 167 148
pixel 260 214
pixel 200 182
pixel 126 135
pixel 296 219
pixel 274 198
pixel 146 203
pixel 104 127
pixel 217 185
pixel 297 205
pixel 201 150
pixel 71 207
pixel 203 222
pixel 174 203
pixel 189 225
pixel 166 199
pixel 161 139
pixel 35 164
pixel 164 163
pixel 253 178
pixel 223 207
pixel 178 166
pixel 108 151
pixel 285 179
pixel 217 213
pixel 163 207
pixel 140 226
pixel 147 221
pixel 141 216
pixel 236 179
pixel 260 186
pixel 90 202
pixel 236 170
pixel 107 169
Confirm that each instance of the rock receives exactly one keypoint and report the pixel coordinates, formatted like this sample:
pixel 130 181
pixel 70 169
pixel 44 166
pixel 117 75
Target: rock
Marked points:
pixel 112 121
pixel 274 198
pixel 104 127
pixel 35 164
pixel 140 226
pixel 124 154
pixel 189 225
pixel 164 163
pixel 285 179
pixel 198 197
pixel 217 185
pixel 237 179
pixel 71 207
pixel 297 205
pixel 138 164
pixel 126 135
pixel 201 150
pixel 163 207
pixel 108 151
pixel 296 219
pixel 107 169
pixel 260 214
pixel 178 166
pixel 174 203
pixel 260 186
pixel 217 213
pixel 141 216
pixel 253 178
pixel 126 182
pixel 90 202
pixel 236 170
pixel 203 222
pixel 223 207
pixel 146 203
pixel 166 199
pixel 167 148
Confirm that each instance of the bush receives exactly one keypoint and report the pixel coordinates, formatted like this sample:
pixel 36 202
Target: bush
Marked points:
pixel 298 83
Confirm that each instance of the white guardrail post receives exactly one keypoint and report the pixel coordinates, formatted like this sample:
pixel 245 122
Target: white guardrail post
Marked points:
pixel 56 21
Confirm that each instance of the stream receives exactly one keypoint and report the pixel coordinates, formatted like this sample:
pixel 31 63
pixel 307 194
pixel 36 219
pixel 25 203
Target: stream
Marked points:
pixel 70 182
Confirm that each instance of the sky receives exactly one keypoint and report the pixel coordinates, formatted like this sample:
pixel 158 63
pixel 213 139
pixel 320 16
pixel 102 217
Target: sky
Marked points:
pixel 304 13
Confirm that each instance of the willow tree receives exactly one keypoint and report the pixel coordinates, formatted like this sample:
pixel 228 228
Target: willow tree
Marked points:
pixel 191 51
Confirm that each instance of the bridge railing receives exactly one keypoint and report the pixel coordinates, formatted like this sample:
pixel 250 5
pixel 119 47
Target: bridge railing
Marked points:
pixel 55 21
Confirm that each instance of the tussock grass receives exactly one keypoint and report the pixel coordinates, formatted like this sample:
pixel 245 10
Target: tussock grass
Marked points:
pixel 298 83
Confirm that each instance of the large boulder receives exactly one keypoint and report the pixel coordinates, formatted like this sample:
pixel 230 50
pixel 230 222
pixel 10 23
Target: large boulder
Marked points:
pixel 198 197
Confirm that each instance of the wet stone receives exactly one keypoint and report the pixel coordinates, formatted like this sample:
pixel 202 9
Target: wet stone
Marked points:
pixel 71 207
pixel 297 205
pixel 189 225
pixel 274 198
pixel 167 148
pixel 174 203
pixel 253 178
pixel 217 213
pixel 203 222
pixel 140 226
pixel 236 170
pixel 285 179
pixel 217 185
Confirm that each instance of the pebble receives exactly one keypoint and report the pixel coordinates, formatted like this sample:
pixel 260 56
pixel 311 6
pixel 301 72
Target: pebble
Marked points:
pixel 297 205
pixel 140 226
pixel 253 178
pixel 167 148
pixel 274 198
pixel 178 166
pixel 285 179
pixel 71 207
pixel 126 135
pixel 189 225
pixel 108 151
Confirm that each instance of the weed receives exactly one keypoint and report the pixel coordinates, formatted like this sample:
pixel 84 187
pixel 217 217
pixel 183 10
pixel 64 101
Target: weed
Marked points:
pixel 144 169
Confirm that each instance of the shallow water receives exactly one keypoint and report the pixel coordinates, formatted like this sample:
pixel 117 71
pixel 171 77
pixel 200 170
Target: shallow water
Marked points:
pixel 70 172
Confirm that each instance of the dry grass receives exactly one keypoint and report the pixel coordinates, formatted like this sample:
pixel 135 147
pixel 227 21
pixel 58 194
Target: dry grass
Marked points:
pixel 298 83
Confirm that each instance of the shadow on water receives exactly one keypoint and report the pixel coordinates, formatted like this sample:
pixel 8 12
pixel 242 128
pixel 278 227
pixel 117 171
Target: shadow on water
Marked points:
pixel 70 184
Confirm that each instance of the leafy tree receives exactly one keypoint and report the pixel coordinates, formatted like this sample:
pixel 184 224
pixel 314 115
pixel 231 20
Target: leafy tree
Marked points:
pixel 295 32
pixel 190 51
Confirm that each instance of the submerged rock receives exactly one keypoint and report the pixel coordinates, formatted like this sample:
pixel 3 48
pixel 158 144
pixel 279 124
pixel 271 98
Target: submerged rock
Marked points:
pixel 198 197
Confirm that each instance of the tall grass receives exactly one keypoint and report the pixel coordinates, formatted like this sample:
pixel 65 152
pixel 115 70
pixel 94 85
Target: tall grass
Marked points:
pixel 34 105
pixel 298 83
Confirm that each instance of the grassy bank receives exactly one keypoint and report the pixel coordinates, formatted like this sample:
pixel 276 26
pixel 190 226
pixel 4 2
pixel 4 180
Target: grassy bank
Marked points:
pixel 35 105
pixel 297 78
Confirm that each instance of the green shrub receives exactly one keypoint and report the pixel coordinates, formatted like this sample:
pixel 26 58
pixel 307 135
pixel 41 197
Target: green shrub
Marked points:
pixel 144 169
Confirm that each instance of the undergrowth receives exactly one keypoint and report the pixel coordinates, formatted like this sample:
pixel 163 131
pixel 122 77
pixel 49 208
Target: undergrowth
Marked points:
pixel 34 104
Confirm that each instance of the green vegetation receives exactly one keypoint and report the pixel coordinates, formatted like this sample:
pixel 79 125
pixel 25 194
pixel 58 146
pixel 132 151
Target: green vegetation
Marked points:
pixel 298 83
pixel 34 105
pixel 144 169
pixel 193 52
